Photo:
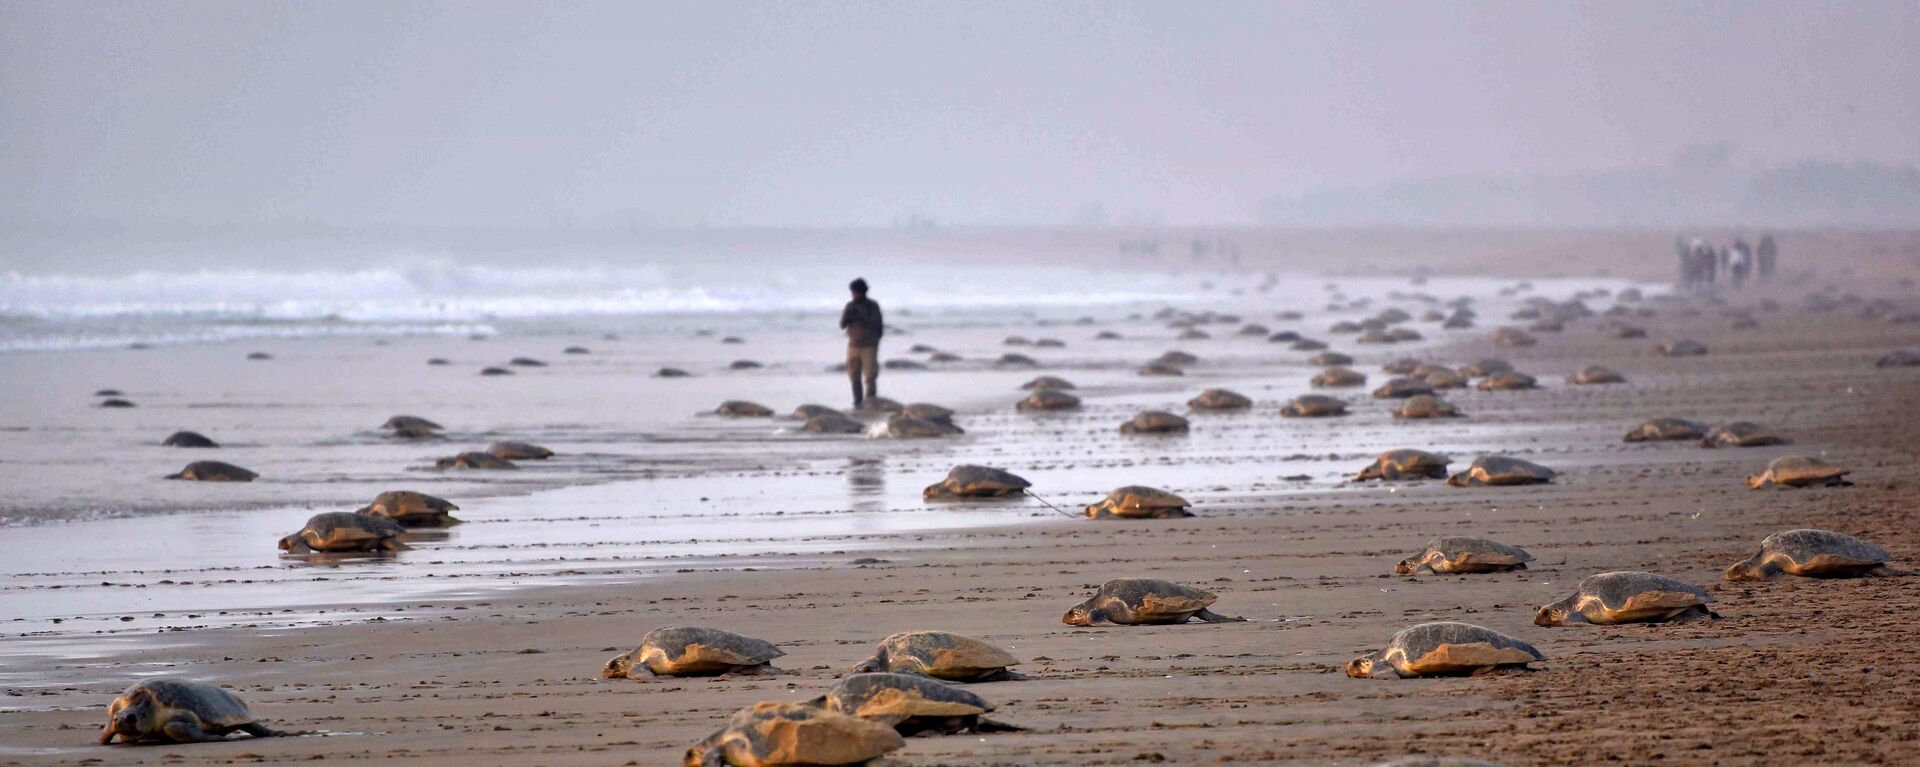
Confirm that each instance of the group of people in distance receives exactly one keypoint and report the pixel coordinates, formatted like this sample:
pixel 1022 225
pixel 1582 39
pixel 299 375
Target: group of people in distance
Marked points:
pixel 1701 263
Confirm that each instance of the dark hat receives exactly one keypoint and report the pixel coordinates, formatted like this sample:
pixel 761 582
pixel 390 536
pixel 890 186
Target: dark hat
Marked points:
pixel 858 285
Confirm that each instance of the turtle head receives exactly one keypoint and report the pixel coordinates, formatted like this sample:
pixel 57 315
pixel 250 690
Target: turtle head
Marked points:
pixel 1750 569
pixel 618 667
pixel 294 544
pixel 1083 614
pixel 1362 667
pixel 131 717
pixel 871 665
pixel 1757 481
pixel 1410 565
pixel 1555 614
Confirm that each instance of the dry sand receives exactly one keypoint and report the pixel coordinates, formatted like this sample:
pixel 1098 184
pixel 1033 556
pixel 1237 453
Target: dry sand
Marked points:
pixel 1797 672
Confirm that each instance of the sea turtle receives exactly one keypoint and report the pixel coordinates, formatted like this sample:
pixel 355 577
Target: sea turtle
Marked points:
pixel 1017 340
pixel 1140 502
pixel 793 735
pixel 743 409
pixel 903 426
pixel 526 362
pixel 1161 369
pixel 1330 359
pixel 410 422
pixel 412 509
pixel 927 411
pixel 576 350
pixel 1595 374
pixel 880 405
pixel 1501 470
pixel 671 373
pixel 1106 335
pixel 108 393
pixel 345 531
pixel 180 711
pixel 1512 337
pixel 1426 406
pixel 1439 377
pixel 1627 597
pixel 1405 366
pixel 970 481
pixel 1665 429
pixel 1623 332
pixel 1252 329
pixel 1308 345
pixel 1899 358
pixel 1048 399
pixel 1485 366
pixel 1742 434
pixel 1220 399
pixel 1401 388
pixel 1405 463
pixel 1177 358
pixel 495 371
pixel 1507 381
pixel 214 471
pixel 941 655
pixel 1799 471
pixel 694 651
pixel 519 451
pixel 1445 648
pixel 1344 326
pixel 438 361
pixel 1681 348
pixel 188 439
pixel 1013 360
pixel 475 460
pixel 1814 554
pixel 833 423
pixel 1194 334
pixel 805 412
pixel 745 365
pixel 1338 377
pixel 115 403
pixel 903 364
pixel 1314 406
pixel 1144 601
pixel 910 703
pixel 1454 554
pixel 1048 382
pixel 1154 422
pixel 259 356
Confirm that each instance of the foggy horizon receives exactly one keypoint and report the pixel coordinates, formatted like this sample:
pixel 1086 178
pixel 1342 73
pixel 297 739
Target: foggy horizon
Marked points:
pixel 371 115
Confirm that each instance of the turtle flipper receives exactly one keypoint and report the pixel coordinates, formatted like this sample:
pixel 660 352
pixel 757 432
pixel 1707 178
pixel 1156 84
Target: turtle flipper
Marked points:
pixel 185 729
pixel 1003 675
pixel 984 724
pixel 1694 613
pixel 107 733
pixel 259 730
pixel 1212 617
pixel 1889 571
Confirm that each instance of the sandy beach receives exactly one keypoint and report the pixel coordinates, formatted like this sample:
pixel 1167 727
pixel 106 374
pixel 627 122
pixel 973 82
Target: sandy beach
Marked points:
pixel 484 644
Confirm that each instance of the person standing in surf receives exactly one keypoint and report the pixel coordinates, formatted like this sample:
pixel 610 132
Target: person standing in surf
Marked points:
pixel 861 319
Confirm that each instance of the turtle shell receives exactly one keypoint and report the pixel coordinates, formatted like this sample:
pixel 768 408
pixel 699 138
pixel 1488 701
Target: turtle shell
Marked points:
pixel 833 423
pixel 410 422
pixel 1405 463
pixel 1014 360
pixel 1445 648
pixel 519 451
pixel 1308 345
pixel 809 412
pixel 1330 359
pixel 1405 366
pixel 1048 382
pixel 188 439
pixel 793 734
pixel 1177 357
pixel 1426 406
pixel 214 471
pixel 1798 471
pixel 1314 406
pixel 1630 597
pixel 1485 366
pixel 1501 470
pixel 1665 429
pixel 1338 377
pixel 411 508
pixel 1152 600
pixel 1623 332
pixel 1220 399
pixel 1512 337
pixel 1813 553
pixel 1048 399
pixel 214 706
pixel 471 460
pixel 1154 422
pixel 1507 381
pixel 1742 434
pixel 1137 500
pixel 1595 374
pixel 972 480
pixel 1401 388
pixel 346 531
pixel 927 411
pixel 1681 348
pixel 743 409
pixel 1439 377
pixel 895 698
pixel 907 427
pixel 696 651
pixel 1455 554
pixel 938 654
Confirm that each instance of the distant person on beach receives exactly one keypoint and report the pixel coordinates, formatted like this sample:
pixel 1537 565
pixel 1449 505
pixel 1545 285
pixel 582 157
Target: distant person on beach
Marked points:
pixel 1764 256
pixel 1739 262
pixel 861 320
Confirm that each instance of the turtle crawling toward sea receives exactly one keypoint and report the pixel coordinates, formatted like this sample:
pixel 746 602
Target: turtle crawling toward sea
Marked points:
pixel 1445 648
pixel 1485 366
pixel 1405 463
pixel 1426 406
pixel 941 655
pixel 1680 348
pixel 1594 375
pixel 833 423
pixel 338 531
pixel 1401 388
pixel 1814 554
pixel 694 651
pixel 1460 555
pixel 214 471
pixel 903 426
pixel 412 509
pixel 1799 471
pixel 1154 422
pixel 1507 381
pixel 1314 406
pixel 519 451
pixel 1742 434
pixel 1338 378
pixel 1140 502
pixel 1666 430
pixel 792 735
pixel 1143 602
pixel 178 710
pixel 1048 382
pixel 1042 400
pixel 1501 470
pixel 410 422
pixel 475 460
pixel 743 409
pixel 1627 597
pixel 970 481
pixel 911 704
pixel 1220 399
pixel 188 439
pixel 808 412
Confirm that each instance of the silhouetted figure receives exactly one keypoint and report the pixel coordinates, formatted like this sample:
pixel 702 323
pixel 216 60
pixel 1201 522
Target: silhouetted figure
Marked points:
pixel 861 319
pixel 1739 262
pixel 1765 255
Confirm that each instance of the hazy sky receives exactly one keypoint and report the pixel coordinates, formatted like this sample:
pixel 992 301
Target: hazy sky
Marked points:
pixel 844 112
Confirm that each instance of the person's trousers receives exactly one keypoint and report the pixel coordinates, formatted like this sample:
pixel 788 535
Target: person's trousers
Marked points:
pixel 863 364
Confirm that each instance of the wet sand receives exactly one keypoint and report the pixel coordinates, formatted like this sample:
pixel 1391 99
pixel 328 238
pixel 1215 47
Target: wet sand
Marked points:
pixel 1798 670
